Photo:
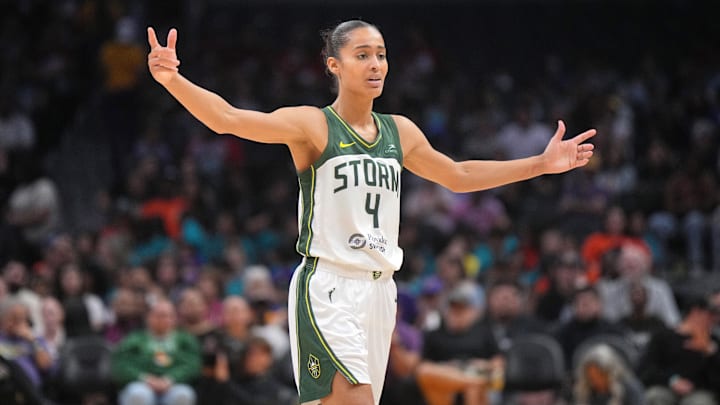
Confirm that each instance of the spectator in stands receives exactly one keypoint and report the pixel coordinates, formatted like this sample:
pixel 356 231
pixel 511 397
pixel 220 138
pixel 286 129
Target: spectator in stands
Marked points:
pixel 524 136
pixel 53 319
pixel 167 276
pixel 585 323
pixel 429 302
pixel 227 343
pixel 156 365
pixel 462 335
pixel 192 314
pixel 450 269
pixel 682 365
pixel 657 163
pixel 463 341
pixel 479 212
pixel 128 308
pixel 688 205
pixel 613 235
pixel 602 378
pixel 638 227
pixel 617 174
pixel 139 280
pixel 257 385
pixel 15 275
pixel 507 315
pixel 57 252
pixel 209 283
pixel 121 60
pixel 34 204
pixel 639 323
pixel 19 344
pixel 85 312
pixel 270 316
pixel 554 294
pixel 582 203
pixel 634 264
pixel 430 206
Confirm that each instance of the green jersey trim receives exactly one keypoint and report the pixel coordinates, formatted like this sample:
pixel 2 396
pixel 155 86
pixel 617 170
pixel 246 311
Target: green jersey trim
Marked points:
pixel 308 203
pixel 354 134
pixel 306 296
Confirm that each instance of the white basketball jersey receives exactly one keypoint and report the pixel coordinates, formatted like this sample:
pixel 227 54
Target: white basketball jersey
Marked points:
pixel 349 203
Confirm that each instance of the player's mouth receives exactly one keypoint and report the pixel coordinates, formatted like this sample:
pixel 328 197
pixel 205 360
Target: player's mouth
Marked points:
pixel 375 81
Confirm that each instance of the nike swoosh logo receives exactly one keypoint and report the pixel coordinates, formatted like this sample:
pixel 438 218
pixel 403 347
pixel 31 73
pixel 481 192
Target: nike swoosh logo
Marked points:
pixel 346 145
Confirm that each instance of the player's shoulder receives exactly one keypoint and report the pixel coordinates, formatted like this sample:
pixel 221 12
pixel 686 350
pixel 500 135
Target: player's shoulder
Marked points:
pixel 304 115
pixel 299 111
pixel 404 124
pixel 402 120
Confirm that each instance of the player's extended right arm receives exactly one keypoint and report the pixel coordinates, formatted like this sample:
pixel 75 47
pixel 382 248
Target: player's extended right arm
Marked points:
pixel 280 126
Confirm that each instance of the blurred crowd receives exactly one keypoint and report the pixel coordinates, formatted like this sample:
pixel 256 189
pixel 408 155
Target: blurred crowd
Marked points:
pixel 145 260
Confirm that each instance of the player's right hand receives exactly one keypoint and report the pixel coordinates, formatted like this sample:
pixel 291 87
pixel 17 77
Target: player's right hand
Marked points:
pixel 162 60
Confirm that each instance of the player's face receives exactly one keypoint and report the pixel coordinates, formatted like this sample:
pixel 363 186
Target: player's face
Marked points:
pixel 362 65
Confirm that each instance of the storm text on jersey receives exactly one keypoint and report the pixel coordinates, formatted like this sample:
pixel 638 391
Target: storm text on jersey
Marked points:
pixel 368 171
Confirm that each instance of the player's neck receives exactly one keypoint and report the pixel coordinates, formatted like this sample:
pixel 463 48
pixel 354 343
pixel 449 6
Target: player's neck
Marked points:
pixel 355 112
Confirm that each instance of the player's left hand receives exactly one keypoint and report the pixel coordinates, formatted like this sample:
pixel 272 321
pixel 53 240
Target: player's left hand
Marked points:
pixel 560 156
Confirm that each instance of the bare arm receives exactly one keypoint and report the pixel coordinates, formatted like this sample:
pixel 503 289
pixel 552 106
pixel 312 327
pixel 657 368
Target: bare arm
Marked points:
pixel 474 175
pixel 285 125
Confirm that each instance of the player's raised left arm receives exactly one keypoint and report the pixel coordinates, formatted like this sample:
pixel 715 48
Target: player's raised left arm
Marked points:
pixel 474 175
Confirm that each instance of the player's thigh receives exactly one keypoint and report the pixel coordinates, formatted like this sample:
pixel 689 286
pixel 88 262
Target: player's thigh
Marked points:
pixel 345 393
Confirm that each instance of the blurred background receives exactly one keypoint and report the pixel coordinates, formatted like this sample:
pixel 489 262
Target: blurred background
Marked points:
pixel 114 199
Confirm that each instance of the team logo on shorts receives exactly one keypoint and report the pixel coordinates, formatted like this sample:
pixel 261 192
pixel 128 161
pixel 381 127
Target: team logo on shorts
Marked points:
pixel 314 367
pixel 357 241
pixel 376 274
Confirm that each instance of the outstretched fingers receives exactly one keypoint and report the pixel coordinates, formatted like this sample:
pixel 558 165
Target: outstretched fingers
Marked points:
pixel 560 132
pixel 152 38
pixel 154 43
pixel 172 38
pixel 585 136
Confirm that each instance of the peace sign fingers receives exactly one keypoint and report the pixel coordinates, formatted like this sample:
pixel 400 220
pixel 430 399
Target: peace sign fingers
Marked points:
pixel 154 43
pixel 162 60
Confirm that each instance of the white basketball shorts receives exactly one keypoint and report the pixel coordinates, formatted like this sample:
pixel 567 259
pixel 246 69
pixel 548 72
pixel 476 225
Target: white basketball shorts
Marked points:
pixel 341 320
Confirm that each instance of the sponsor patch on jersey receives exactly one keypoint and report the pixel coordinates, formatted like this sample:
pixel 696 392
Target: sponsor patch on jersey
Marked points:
pixel 357 241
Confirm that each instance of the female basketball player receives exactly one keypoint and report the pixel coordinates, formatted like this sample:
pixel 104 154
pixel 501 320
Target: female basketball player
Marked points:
pixel 348 160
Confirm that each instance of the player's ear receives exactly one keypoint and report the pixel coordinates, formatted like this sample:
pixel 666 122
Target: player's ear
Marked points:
pixel 333 65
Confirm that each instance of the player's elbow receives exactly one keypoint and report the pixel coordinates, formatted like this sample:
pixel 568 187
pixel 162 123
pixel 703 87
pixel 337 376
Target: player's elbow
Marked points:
pixel 222 123
pixel 456 184
pixel 463 183
pixel 459 181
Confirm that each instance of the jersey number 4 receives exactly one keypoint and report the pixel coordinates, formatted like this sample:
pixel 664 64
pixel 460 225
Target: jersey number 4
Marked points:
pixel 372 208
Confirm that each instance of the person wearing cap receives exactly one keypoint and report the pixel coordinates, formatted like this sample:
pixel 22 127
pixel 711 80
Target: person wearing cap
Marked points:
pixel 463 341
pixel 430 303
pixel 507 316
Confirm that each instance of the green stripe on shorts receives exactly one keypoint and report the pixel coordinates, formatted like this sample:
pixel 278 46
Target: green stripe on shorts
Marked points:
pixel 316 361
